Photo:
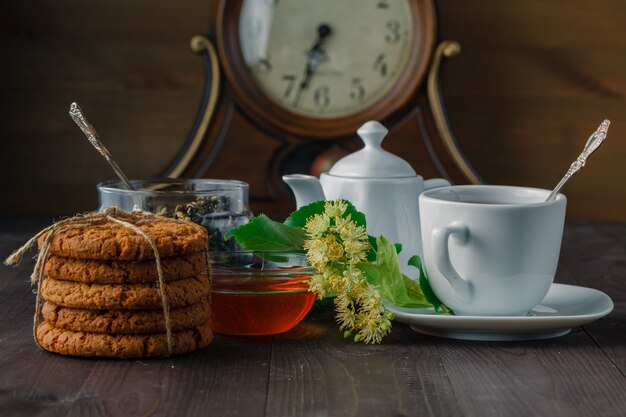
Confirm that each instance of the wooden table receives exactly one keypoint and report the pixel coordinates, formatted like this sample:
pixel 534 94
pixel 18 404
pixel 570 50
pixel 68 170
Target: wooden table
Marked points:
pixel 313 371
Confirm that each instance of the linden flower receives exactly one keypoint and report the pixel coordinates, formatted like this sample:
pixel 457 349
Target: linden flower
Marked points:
pixel 317 284
pixel 348 230
pixel 345 312
pixel 335 247
pixel 316 252
pixel 370 298
pixel 356 251
pixel 373 328
pixel 317 225
pixel 335 208
pixel 353 277
pixel 332 279
pixel 355 243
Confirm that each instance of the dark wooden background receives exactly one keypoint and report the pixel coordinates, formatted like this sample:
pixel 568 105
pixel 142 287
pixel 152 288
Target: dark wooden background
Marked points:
pixel 534 79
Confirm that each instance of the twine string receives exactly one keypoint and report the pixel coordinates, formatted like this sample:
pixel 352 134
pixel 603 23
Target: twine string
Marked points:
pixel 162 291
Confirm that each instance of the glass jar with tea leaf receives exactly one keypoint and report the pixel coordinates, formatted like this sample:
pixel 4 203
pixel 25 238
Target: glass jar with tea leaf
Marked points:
pixel 217 205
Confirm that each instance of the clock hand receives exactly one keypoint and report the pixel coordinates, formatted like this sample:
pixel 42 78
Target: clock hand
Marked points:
pixel 314 56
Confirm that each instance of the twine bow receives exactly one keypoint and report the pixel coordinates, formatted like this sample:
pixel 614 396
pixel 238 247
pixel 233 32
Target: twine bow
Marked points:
pixel 111 214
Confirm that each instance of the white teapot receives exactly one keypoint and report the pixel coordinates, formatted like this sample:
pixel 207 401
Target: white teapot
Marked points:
pixel 380 184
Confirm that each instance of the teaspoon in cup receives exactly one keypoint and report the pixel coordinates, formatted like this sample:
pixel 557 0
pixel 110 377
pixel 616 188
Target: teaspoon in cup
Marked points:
pixel 593 143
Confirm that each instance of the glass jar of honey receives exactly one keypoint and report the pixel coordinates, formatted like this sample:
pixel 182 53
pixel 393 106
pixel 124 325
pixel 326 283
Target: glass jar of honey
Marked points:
pixel 259 293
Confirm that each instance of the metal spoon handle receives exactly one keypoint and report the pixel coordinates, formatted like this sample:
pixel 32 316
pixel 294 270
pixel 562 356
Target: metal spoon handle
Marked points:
pixel 593 143
pixel 77 115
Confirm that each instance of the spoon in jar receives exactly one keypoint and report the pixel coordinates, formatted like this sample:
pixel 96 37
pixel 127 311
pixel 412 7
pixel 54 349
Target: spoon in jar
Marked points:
pixel 77 116
pixel 593 143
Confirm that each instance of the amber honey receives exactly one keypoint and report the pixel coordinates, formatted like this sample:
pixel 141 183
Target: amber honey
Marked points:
pixel 250 301
pixel 259 313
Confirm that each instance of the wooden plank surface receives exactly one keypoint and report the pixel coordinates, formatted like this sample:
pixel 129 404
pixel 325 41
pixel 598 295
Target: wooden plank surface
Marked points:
pixel 594 255
pixel 228 379
pixel 32 382
pixel 317 372
pixel 568 376
pixel 313 371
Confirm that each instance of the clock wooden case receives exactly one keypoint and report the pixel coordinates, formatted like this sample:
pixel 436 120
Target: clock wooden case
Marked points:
pixel 290 81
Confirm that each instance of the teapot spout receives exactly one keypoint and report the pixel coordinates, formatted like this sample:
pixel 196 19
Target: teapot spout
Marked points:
pixel 306 188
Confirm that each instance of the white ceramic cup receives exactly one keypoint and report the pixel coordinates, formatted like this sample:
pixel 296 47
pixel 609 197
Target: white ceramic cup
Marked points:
pixel 491 250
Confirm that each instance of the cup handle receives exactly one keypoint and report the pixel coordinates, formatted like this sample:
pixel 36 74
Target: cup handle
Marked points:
pixel 435 183
pixel 439 239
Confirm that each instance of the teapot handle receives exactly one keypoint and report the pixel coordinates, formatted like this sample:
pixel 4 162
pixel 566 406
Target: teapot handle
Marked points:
pixel 435 183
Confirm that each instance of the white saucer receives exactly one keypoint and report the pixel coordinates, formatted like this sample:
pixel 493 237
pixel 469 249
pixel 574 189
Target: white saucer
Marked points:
pixel 564 307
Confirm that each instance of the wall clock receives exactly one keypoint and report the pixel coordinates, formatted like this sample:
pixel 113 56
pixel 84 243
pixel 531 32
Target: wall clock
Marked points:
pixel 290 81
pixel 322 68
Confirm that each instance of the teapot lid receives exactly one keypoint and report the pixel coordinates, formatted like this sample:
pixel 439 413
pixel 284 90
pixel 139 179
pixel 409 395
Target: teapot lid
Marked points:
pixel 372 161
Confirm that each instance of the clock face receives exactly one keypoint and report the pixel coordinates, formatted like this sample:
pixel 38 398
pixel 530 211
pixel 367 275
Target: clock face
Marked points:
pixel 326 59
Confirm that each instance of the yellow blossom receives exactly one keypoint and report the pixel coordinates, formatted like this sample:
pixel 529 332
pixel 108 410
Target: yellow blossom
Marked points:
pixel 348 230
pixel 316 252
pixel 317 285
pixel 345 312
pixel 356 251
pixel 355 243
pixel 335 247
pixel 374 328
pixel 317 225
pixel 353 278
pixel 335 208
pixel 332 279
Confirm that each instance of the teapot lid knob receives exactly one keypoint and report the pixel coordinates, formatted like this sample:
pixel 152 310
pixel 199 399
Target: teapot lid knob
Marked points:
pixel 372 161
pixel 372 133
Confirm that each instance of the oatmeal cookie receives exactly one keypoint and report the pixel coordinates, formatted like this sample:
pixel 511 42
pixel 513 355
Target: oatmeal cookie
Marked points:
pixel 124 272
pixel 180 293
pixel 67 342
pixel 112 241
pixel 125 321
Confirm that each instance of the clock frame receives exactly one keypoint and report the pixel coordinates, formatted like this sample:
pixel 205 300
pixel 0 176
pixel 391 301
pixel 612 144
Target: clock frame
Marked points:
pixel 250 96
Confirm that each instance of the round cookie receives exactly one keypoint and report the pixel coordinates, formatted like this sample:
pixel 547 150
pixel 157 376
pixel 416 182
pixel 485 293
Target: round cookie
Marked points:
pixel 124 272
pixel 180 293
pixel 112 241
pixel 125 321
pixel 67 342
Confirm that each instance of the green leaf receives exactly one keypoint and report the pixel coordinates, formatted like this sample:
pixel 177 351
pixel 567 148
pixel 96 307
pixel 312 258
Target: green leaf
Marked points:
pixel 392 284
pixel 265 234
pixel 298 218
pixel 424 283
pixel 356 216
pixel 371 254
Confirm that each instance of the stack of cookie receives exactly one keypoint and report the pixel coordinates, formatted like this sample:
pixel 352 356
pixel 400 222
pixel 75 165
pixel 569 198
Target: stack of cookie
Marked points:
pixel 102 296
